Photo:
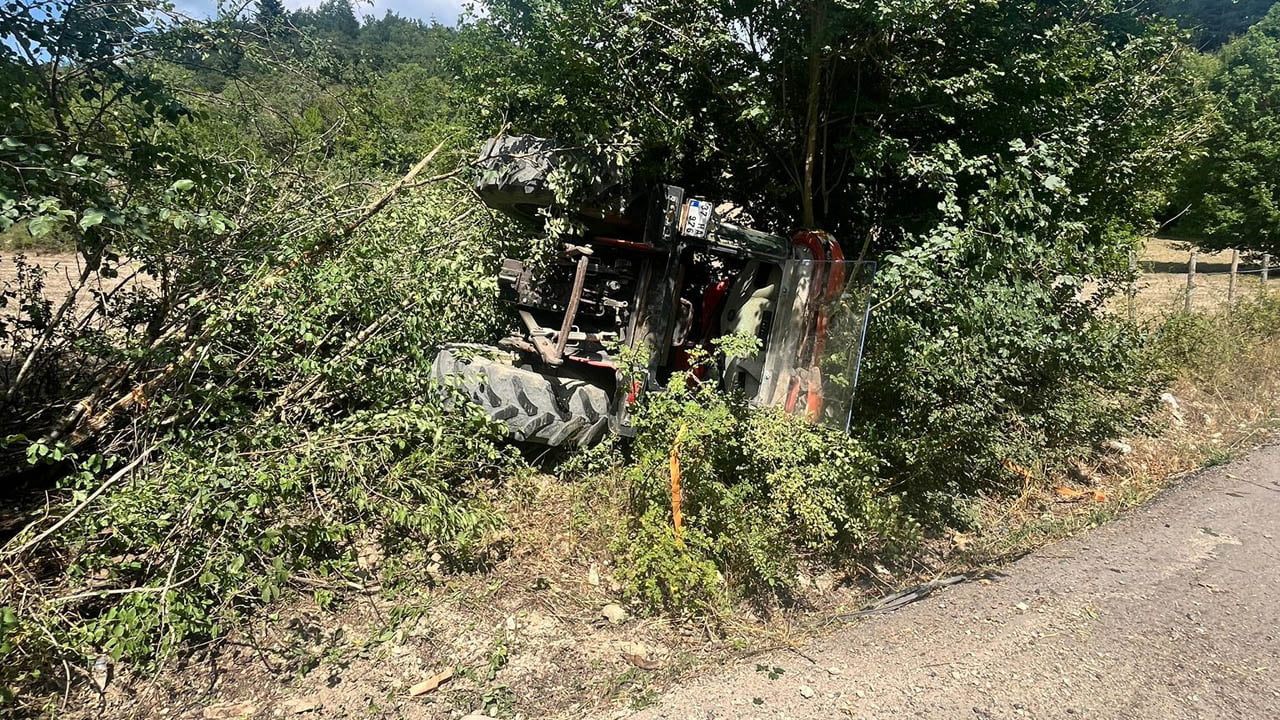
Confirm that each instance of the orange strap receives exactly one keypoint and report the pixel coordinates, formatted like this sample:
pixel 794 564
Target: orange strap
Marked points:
pixel 677 493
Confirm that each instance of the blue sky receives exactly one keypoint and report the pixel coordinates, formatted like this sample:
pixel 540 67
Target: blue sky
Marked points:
pixel 444 11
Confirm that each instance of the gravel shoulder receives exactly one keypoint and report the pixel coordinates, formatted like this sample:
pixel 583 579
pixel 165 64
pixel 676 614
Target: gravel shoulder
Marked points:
pixel 1170 612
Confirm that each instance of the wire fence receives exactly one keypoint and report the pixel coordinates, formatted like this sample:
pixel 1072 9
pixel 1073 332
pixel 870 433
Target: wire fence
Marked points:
pixel 1170 277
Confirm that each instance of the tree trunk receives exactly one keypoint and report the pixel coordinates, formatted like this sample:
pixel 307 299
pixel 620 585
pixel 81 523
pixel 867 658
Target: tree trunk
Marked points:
pixel 817 31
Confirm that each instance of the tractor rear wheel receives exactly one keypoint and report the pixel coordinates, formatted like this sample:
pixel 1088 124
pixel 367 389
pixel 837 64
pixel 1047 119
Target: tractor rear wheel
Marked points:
pixel 536 408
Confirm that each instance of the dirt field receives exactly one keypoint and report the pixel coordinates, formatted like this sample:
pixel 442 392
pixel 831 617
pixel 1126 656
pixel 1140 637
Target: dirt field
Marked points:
pixel 1161 290
pixel 61 268
pixel 61 271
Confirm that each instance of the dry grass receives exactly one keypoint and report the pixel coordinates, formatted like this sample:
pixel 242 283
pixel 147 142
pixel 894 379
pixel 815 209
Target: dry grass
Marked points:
pixel 526 634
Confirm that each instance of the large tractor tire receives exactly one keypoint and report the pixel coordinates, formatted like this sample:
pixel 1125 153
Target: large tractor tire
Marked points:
pixel 515 172
pixel 536 408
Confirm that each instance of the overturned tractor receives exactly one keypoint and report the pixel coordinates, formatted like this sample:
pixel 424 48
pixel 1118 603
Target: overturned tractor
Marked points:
pixel 661 273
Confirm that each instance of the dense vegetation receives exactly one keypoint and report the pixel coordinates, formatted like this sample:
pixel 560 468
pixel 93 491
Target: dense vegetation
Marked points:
pixel 256 412
pixel 877 117
pixel 1213 22
pixel 248 421
pixel 1231 196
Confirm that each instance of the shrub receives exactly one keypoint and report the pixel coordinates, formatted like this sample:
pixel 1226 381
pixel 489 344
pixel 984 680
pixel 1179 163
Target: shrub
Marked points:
pixel 1207 345
pixel 761 488
pixel 306 429
pixel 213 527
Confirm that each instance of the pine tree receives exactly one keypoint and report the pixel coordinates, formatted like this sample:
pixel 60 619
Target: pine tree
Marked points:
pixel 338 16
pixel 270 13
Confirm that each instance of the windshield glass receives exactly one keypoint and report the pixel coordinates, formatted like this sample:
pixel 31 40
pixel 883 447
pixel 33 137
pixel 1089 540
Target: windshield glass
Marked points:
pixel 815 346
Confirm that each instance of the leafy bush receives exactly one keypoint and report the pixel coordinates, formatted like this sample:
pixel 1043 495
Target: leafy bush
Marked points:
pixel 215 526
pixel 255 409
pixel 306 428
pixel 979 365
pixel 761 488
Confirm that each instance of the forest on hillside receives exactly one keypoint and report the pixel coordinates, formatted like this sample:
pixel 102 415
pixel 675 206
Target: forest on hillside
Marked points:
pixel 276 230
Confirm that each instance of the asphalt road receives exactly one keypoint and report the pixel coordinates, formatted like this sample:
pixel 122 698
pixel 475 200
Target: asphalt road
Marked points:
pixel 1170 612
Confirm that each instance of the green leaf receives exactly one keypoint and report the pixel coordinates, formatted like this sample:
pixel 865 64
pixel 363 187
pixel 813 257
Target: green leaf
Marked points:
pixel 43 225
pixel 92 217
pixel 184 185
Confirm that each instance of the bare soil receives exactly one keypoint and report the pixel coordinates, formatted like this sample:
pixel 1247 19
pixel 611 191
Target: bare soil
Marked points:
pixel 55 274
pixel 61 273
pixel 1162 288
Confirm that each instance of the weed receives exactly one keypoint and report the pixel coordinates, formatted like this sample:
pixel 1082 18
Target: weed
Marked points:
pixel 642 698
pixel 1218 456
pixel 498 701
pixel 773 673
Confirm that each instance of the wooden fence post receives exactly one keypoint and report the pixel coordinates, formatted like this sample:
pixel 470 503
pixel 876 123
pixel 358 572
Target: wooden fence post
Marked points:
pixel 1132 290
pixel 1231 287
pixel 1191 280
